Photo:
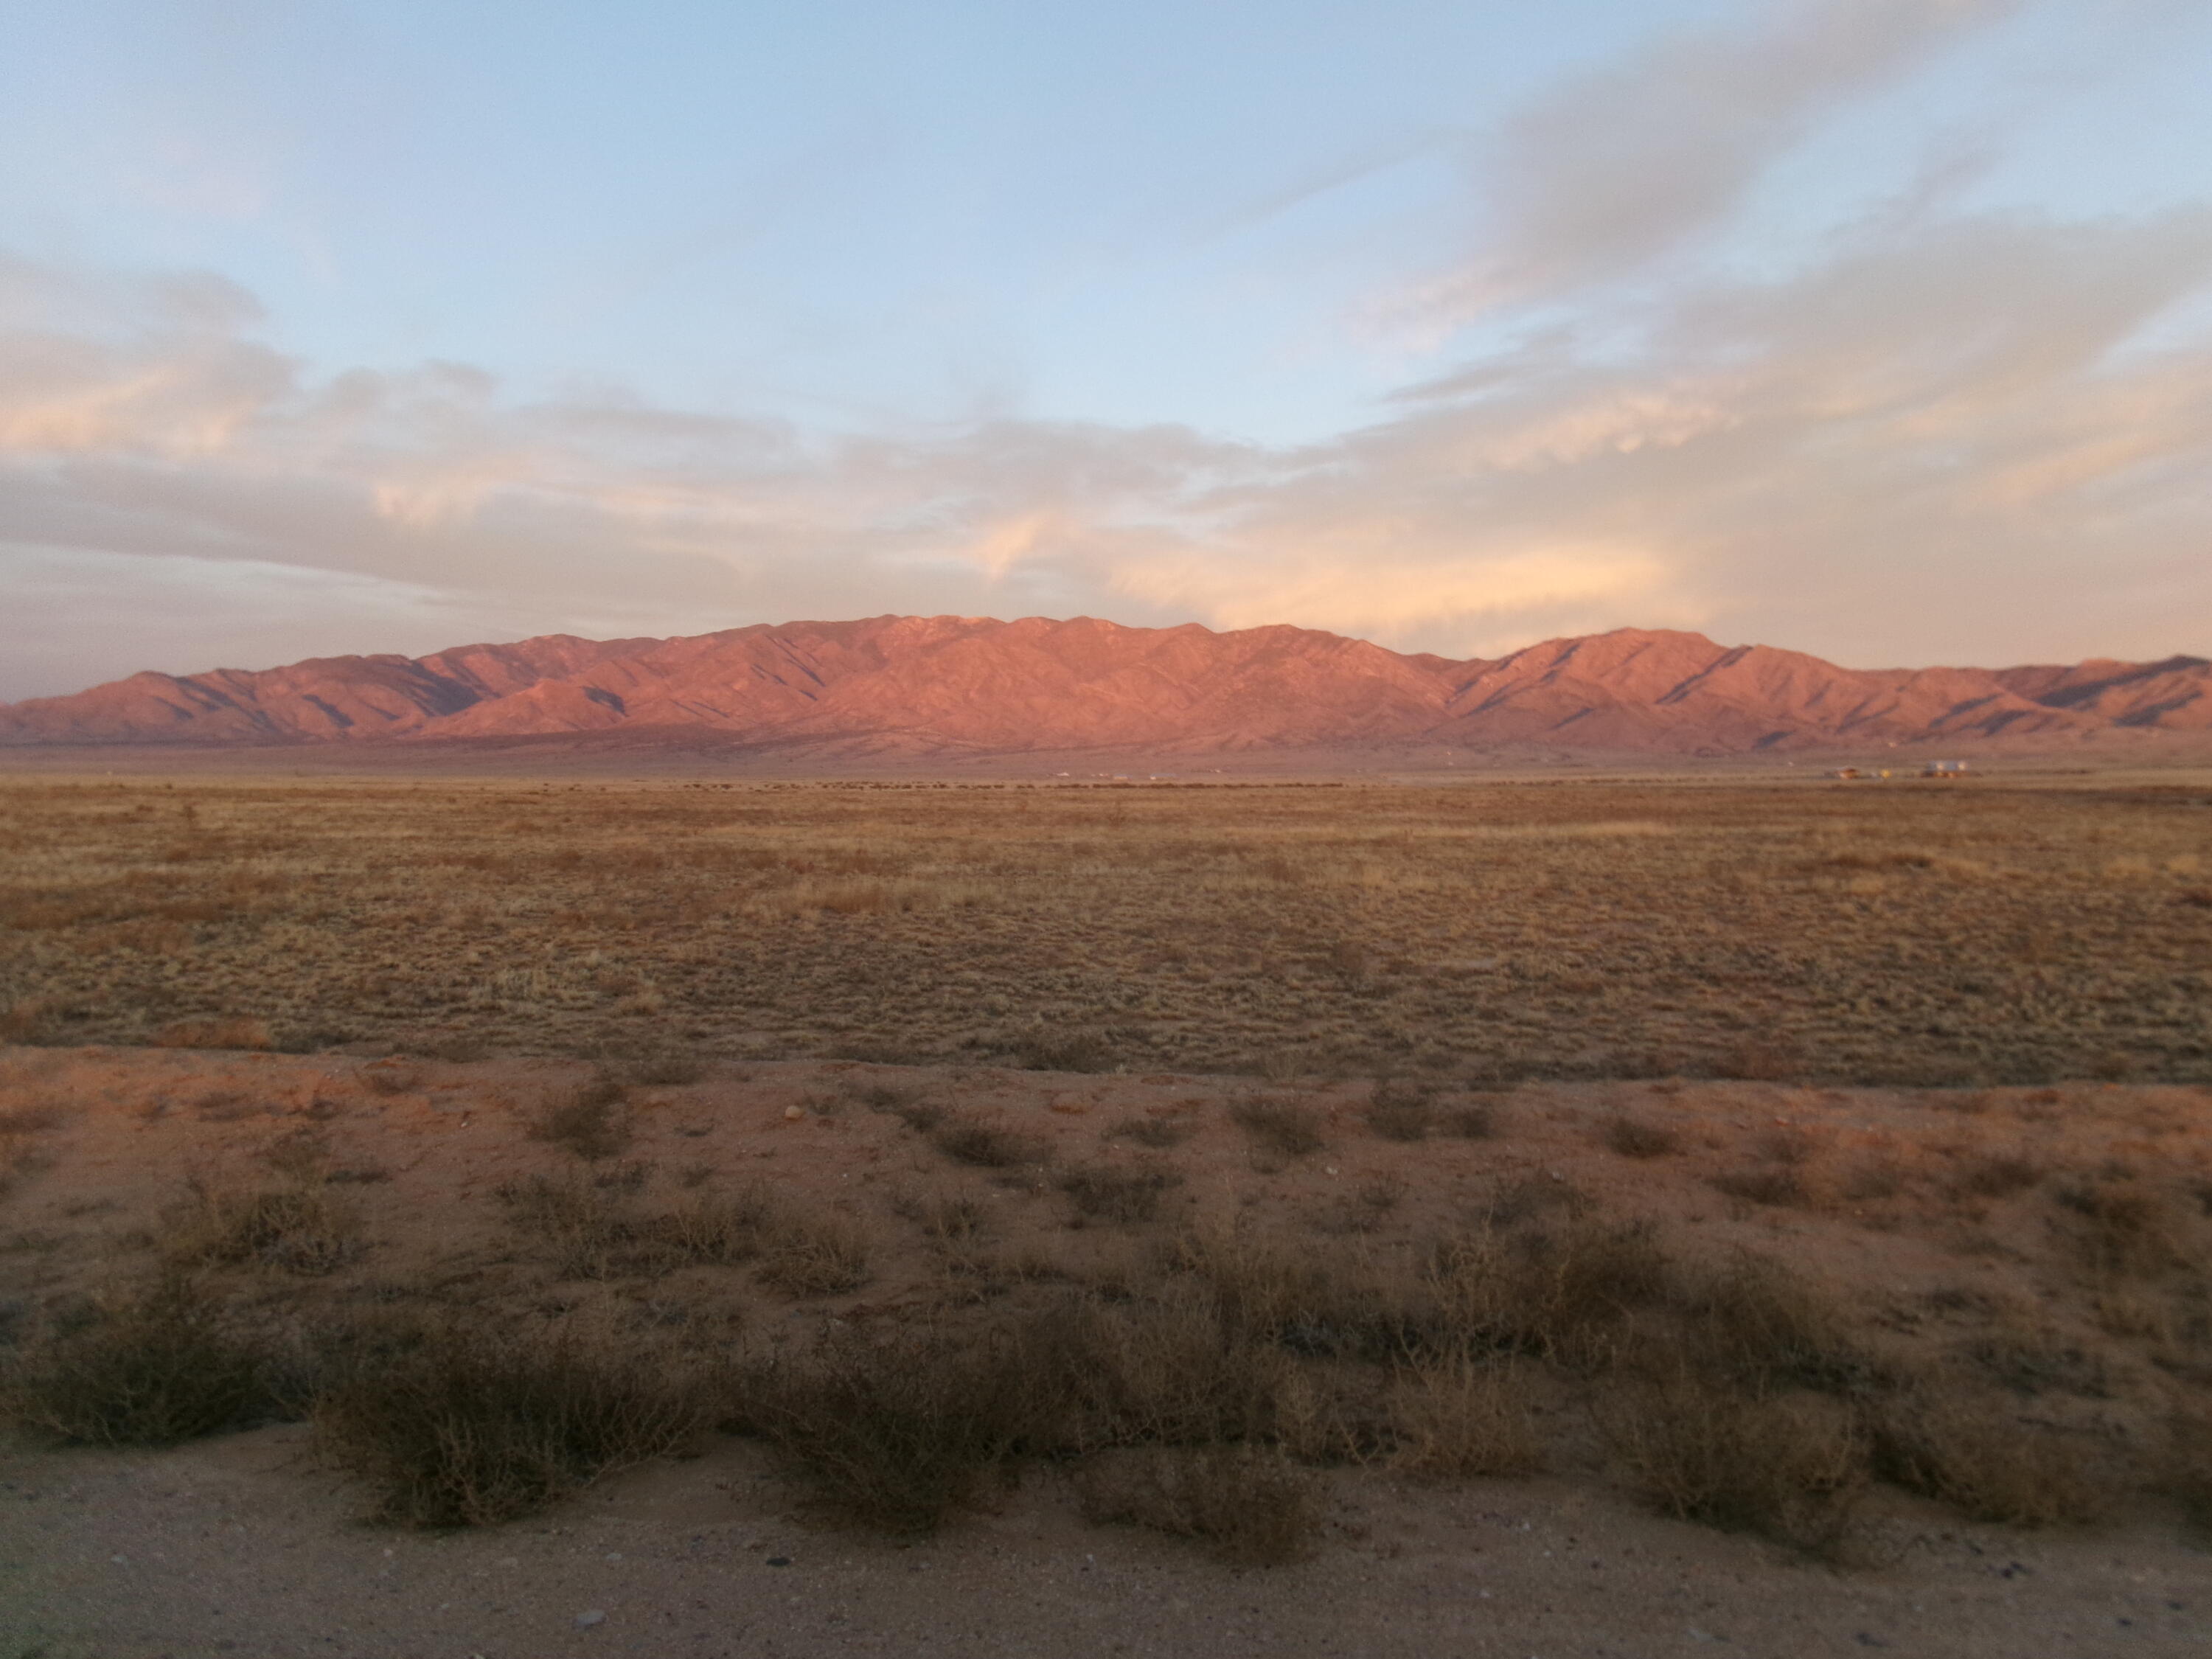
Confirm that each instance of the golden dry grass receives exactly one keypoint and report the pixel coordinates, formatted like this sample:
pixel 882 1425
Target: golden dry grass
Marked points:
pixel 1984 934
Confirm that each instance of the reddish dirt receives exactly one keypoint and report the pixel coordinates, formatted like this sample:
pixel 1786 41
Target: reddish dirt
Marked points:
pixel 244 1545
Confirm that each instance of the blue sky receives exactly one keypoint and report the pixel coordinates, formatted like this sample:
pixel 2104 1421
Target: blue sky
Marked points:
pixel 1877 328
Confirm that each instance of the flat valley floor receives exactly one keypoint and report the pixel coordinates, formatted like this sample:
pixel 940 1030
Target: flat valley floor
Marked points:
pixel 1561 1219
pixel 1999 931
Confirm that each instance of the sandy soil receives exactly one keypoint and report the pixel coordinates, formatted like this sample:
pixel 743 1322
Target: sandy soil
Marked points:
pixel 238 1546
pixel 245 1545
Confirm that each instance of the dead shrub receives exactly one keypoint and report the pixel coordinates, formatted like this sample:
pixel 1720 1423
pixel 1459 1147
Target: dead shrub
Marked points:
pixel 2030 1363
pixel 713 1231
pixel 1452 1417
pixel 1552 1291
pixel 19 1156
pixel 302 1156
pixel 1779 1185
pixel 1787 1145
pixel 2123 1232
pixel 1633 1136
pixel 1108 1194
pixel 1875 1179
pixel 1996 1175
pixel 651 1065
pixel 2188 1469
pixel 1380 1194
pixel 585 1231
pixel 389 1077
pixel 458 1049
pixel 1757 1062
pixel 360 1174
pixel 147 1368
pixel 1281 1127
pixel 943 1220
pixel 1174 1369
pixel 884 1097
pixel 1351 962
pixel 1965 1448
pixel 471 1427
pixel 1158 1132
pixel 590 1232
pixel 1051 1048
pixel 30 1021
pixel 896 1433
pixel 804 1255
pixel 31 1119
pixel 1790 1467
pixel 1271 1287
pixel 231 1032
pixel 1762 1326
pixel 987 1144
pixel 1474 1121
pixel 906 1104
pixel 296 1227
pixel 593 1123
pixel 1253 1507
pixel 1398 1112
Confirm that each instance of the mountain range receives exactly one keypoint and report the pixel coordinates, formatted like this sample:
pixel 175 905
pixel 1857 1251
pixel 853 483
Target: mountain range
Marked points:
pixel 952 685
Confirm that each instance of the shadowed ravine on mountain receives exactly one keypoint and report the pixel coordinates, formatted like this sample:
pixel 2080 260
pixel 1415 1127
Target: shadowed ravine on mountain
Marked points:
pixel 953 684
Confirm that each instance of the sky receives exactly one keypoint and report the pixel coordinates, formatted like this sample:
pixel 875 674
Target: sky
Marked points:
pixel 1879 329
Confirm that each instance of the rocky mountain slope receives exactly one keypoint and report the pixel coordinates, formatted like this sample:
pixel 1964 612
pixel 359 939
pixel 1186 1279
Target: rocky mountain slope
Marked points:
pixel 921 685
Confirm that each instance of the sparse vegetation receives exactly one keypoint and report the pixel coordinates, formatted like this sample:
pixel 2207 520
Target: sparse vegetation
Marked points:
pixel 1635 1136
pixel 894 1433
pixel 297 1227
pixel 1298 1271
pixel 985 1144
pixel 1779 1184
pixel 1790 1466
pixel 1254 1507
pixel 1454 1417
pixel 144 1368
pixel 593 1123
pixel 1281 1127
pixel 1973 1452
pixel 1158 1132
pixel 469 1427
pixel 805 1256
pixel 1113 1193
pixel 1398 1112
pixel 1408 940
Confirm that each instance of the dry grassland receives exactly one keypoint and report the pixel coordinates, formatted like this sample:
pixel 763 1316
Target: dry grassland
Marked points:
pixel 1907 933
pixel 1842 1320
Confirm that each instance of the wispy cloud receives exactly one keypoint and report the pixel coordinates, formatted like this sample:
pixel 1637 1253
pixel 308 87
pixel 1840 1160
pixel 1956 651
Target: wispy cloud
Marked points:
pixel 1612 169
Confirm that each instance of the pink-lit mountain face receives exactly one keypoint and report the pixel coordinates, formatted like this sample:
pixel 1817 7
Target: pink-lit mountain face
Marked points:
pixel 927 685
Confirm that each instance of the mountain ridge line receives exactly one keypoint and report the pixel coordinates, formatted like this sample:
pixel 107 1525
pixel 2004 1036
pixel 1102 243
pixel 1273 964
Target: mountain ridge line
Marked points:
pixel 948 685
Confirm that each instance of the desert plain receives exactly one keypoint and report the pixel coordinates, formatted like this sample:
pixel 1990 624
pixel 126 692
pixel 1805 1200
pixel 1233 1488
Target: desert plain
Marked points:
pixel 531 1215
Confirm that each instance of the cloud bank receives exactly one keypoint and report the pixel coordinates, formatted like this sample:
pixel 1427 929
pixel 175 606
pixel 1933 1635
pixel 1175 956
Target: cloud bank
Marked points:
pixel 1934 434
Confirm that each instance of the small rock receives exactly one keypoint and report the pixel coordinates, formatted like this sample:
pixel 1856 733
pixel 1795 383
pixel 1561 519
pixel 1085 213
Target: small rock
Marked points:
pixel 585 1620
pixel 778 1560
pixel 792 1114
